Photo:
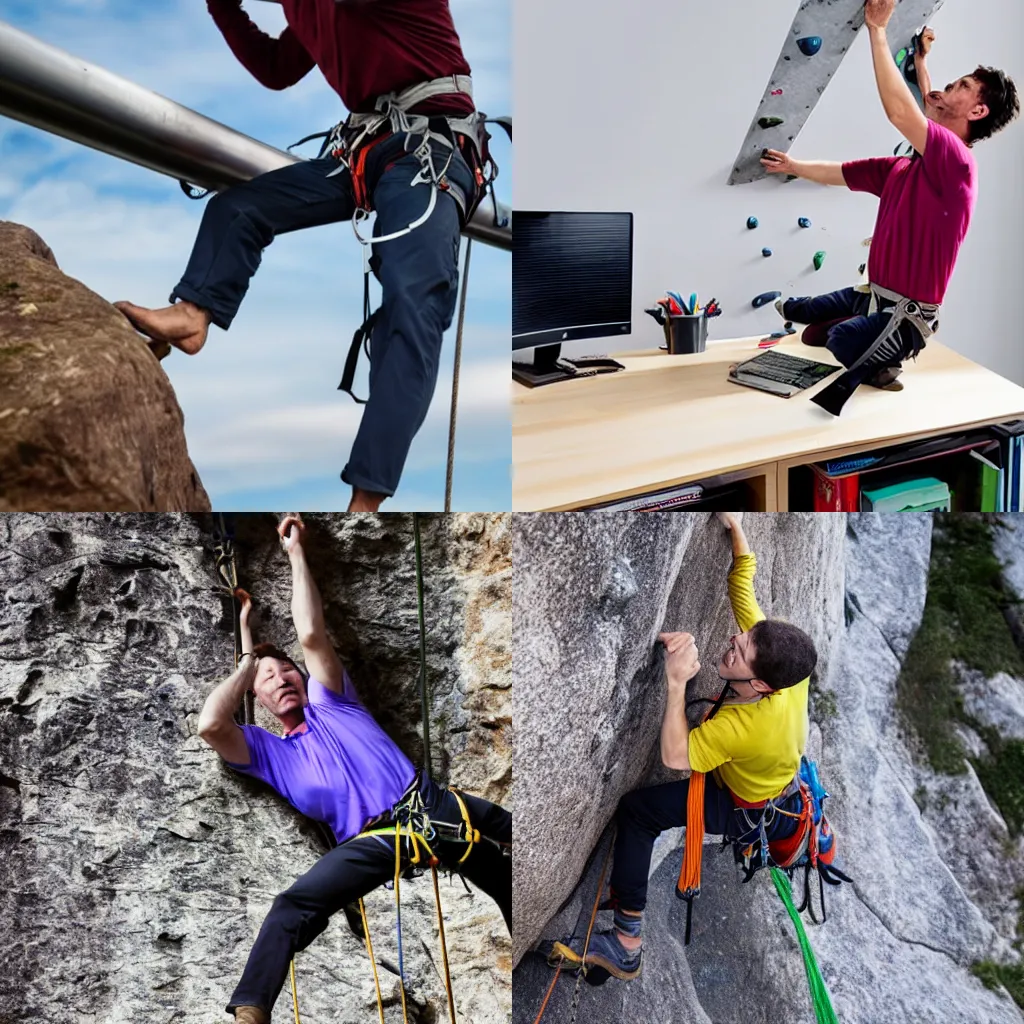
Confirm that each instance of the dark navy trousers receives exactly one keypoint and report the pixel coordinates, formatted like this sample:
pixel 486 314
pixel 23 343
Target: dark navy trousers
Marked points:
pixel 645 813
pixel 850 330
pixel 418 275
pixel 350 871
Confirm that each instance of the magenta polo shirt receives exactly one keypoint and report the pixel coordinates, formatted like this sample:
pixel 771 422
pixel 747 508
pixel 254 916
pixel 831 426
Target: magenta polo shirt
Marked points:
pixel 925 210
pixel 342 770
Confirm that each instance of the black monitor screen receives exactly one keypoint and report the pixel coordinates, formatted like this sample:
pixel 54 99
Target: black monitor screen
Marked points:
pixel 572 276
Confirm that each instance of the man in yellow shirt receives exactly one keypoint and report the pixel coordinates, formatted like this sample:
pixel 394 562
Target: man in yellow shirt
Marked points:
pixel 751 740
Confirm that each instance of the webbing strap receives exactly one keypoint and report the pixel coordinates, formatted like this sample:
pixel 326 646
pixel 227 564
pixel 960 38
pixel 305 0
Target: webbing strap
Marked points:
pixel 823 1011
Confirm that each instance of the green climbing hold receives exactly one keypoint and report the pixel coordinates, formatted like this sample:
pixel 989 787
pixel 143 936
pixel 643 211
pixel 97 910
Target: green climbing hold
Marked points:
pixel 769 122
pixel 819 259
pixel 901 56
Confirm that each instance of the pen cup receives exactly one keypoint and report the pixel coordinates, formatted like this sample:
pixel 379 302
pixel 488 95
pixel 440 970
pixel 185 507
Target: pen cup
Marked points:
pixel 688 334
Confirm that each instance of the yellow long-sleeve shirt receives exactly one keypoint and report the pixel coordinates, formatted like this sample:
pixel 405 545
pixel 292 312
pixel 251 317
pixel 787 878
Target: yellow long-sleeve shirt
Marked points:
pixel 755 747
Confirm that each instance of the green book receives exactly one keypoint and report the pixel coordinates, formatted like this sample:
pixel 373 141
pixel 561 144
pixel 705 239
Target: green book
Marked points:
pixel 989 481
pixel 925 495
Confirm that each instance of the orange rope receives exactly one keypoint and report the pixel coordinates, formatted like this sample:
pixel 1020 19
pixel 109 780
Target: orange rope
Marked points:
pixel 551 988
pixel 689 874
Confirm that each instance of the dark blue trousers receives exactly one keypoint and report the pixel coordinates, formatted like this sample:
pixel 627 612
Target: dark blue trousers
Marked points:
pixel 645 813
pixel 418 275
pixel 350 871
pixel 856 330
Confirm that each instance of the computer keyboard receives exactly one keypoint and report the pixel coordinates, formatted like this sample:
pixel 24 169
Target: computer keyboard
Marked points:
pixel 785 369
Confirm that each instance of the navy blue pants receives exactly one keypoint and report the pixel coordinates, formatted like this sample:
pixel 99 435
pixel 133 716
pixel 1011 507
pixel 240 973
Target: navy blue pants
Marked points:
pixel 645 813
pixel 353 869
pixel 418 275
pixel 852 330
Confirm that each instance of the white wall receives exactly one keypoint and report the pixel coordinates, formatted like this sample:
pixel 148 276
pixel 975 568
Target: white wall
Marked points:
pixel 644 105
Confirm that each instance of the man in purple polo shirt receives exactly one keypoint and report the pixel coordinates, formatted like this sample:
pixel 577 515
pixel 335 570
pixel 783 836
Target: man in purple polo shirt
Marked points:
pixel 926 204
pixel 334 764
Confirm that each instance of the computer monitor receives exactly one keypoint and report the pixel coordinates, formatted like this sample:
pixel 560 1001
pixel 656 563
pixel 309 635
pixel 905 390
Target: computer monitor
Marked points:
pixel 572 278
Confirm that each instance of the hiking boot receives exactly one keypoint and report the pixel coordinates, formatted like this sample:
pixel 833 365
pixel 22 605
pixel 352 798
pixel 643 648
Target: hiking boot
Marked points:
pixel 606 951
pixel 780 305
pixel 885 379
pixel 250 1015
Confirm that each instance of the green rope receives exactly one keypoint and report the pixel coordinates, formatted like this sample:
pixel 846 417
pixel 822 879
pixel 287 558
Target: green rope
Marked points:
pixel 823 1011
pixel 423 645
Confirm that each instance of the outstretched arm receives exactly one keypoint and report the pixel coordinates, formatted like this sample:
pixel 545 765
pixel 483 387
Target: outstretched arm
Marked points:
pixel 308 611
pixel 217 726
pixel 900 106
pixel 275 63
pixel 733 522
pixel 681 665
pixel 824 172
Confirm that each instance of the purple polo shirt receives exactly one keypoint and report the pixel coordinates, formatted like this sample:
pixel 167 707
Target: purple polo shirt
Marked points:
pixel 342 770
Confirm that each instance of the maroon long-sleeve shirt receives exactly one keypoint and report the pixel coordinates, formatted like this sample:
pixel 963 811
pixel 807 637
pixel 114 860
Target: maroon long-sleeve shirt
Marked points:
pixel 364 48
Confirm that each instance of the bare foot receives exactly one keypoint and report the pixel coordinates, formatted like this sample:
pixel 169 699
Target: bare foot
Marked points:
pixel 183 325
pixel 365 501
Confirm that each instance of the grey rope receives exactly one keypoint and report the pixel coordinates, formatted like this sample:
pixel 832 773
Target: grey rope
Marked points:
pixel 455 381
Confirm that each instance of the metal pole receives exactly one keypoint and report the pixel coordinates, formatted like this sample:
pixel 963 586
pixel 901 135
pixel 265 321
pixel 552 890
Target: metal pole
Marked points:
pixel 48 88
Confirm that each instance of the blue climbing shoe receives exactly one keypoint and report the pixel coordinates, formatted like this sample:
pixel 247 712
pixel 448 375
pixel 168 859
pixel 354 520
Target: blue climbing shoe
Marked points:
pixel 606 951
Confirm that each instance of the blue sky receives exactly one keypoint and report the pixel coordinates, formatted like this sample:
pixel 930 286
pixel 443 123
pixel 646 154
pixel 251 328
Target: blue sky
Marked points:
pixel 265 424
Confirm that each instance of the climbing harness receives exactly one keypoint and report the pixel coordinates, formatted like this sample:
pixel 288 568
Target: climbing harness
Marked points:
pixel 887 348
pixel 561 954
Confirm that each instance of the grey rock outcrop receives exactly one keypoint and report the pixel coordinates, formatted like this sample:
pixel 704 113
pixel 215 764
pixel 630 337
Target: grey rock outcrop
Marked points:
pixel 88 419
pixel 135 868
pixel 930 892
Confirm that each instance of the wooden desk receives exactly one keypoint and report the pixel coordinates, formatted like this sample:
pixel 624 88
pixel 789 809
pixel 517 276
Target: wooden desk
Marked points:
pixel 672 419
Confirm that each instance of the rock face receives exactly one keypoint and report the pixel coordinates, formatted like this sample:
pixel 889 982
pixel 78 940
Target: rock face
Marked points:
pixel 88 418
pixel 136 869
pixel 931 895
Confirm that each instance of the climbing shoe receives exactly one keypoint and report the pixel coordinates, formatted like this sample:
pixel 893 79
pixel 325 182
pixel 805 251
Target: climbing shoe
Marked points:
pixel 606 951
pixel 885 379
pixel 250 1015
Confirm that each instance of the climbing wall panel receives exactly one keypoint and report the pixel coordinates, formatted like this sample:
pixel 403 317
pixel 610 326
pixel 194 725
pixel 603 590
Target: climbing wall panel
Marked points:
pixel 820 37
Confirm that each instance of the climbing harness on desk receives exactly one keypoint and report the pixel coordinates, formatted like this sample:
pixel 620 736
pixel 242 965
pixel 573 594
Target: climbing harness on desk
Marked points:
pixel 887 346
pixel 887 349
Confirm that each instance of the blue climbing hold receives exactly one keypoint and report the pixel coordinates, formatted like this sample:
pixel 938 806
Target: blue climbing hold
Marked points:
pixel 809 45
pixel 766 252
pixel 752 223
pixel 764 298
pixel 804 222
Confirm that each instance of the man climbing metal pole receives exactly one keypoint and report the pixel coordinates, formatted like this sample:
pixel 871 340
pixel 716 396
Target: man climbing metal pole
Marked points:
pixel 752 739
pixel 926 204
pixel 413 150
pixel 335 764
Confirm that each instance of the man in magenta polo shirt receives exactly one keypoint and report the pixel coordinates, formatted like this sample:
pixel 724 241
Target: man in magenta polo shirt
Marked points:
pixel 412 139
pixel 925 210
pixel 334 764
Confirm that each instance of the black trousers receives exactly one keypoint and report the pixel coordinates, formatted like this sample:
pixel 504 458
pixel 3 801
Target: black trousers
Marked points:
pixel 418 274
pixel 353 869
pixel 645 813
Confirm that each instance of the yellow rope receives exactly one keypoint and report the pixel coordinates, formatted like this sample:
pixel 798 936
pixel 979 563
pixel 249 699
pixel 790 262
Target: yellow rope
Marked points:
pixel 444 946
pixel 295 996
pixel 398 912
pixel 373 962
